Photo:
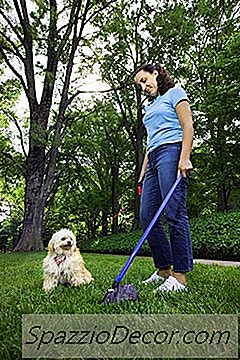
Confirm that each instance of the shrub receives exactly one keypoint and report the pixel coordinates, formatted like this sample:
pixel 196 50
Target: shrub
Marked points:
pixel 214 236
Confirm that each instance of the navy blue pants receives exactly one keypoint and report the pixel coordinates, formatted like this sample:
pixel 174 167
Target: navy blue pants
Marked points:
pixel 160 175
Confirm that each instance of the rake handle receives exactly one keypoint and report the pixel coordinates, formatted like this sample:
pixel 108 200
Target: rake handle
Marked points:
pixel 147 231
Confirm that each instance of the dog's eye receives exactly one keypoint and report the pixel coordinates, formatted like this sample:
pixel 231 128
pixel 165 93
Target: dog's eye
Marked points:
pixel 63 238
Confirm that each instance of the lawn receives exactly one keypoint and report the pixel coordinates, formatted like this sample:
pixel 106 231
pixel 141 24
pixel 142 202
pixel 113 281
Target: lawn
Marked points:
pixel 212 290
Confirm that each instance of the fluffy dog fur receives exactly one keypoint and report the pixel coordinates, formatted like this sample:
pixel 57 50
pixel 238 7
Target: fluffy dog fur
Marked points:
pixel 64 263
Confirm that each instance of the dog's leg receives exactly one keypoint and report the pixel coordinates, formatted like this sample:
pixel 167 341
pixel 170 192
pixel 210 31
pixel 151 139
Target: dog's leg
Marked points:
pixel 50 282
pixel 75 281
pixel 79 277
pixel 87 277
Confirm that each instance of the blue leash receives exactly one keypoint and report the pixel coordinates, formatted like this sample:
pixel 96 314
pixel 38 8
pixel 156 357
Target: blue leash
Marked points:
pixel 147 231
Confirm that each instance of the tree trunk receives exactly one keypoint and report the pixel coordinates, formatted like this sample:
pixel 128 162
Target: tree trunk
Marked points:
pixel 139 161
pixel 115 205
pixel 222 203
pixel 136 135
pixel 139 135
pixel 104 223
pixel 222 199
pixel 31 237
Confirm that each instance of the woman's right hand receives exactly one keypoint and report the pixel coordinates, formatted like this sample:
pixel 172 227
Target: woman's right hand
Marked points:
pixel 139 186
pixel 184 167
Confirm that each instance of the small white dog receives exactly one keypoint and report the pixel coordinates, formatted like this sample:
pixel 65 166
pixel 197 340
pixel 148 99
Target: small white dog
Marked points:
pixel 64 263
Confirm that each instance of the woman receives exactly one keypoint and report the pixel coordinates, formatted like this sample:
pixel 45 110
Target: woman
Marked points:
pixel 168 121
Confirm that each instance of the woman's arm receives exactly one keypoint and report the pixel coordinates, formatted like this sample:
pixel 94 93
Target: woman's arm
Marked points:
pixel 185 117
pixel 144 168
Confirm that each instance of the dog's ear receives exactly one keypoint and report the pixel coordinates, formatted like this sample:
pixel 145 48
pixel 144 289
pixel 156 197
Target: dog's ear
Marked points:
pixel 51 247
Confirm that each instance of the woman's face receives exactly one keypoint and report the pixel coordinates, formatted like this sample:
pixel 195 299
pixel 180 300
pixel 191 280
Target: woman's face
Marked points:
pixel 147 82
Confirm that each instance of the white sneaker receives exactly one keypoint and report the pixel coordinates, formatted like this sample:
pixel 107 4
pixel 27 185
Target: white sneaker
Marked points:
pixel 154 278
pixel 171 284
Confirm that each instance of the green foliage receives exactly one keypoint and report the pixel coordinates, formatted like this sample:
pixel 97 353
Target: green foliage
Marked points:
pixel 212 80
pixel 199 44
pixel 21 293
pixel 94 144
pixel 9 94
pixel 214 236
pixel 116 244
pixel 12 164
pixel 10 230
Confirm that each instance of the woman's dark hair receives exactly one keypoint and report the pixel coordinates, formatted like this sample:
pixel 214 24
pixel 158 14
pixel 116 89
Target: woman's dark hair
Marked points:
pixel 164 80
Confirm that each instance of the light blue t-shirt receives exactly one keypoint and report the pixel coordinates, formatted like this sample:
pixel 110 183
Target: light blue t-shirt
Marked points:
pixel 161 120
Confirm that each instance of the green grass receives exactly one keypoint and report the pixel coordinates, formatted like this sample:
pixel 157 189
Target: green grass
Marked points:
pixel 212 290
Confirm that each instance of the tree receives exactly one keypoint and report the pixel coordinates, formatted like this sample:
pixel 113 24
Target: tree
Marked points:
pixel 131 35
pixel 12 169
pixel 29 33
pixel 197 42
pixel 211 70
pixel 95 162
pixel 118 50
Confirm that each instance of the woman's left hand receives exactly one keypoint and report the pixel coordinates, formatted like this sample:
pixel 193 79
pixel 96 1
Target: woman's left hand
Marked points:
pixel 184 166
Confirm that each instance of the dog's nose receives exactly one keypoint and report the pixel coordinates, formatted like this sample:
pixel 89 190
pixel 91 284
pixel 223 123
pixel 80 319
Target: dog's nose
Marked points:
pixel 69 243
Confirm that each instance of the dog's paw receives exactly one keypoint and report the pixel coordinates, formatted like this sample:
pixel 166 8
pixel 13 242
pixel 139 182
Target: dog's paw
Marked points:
pixel 89 279
pixel 48 287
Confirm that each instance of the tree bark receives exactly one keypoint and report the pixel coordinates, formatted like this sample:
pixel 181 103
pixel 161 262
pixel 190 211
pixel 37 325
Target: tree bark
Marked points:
pixel 136 135
pixel 139 135
pixel 31 237
pixel 139 161
pixel 222 199
pixel 104 223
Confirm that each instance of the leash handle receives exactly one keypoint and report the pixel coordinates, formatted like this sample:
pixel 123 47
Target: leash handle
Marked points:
pixel 147 231
pixel 119 212
pixel 139 189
